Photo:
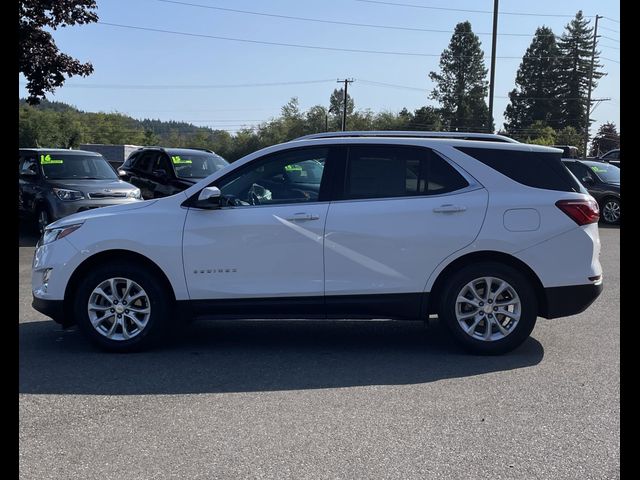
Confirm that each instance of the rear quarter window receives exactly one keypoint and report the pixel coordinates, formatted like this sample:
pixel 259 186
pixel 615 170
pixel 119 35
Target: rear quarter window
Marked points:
pixel 533 169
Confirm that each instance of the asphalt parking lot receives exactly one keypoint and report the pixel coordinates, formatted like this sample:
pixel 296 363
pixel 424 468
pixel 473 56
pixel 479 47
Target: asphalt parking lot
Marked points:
pixel 324 400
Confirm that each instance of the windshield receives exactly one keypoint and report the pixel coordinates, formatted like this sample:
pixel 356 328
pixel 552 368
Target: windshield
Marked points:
pixel 197 165
pixel 605 172
pixel 64 166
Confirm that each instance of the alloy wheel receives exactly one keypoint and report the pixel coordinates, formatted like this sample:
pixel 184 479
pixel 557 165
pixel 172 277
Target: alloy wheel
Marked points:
pixel 488 309
pixel 119 309
pixel 611 211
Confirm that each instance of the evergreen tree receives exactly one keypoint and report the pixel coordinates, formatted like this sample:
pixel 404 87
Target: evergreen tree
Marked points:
pixel 575 47
pixel 426 119
pixel 335 107
pixel 461 85
pixel 606 139
pixel 537 87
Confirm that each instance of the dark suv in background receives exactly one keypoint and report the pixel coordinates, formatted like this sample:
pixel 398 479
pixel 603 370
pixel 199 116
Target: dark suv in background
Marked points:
pixel 612 157
pixel 602 180
pixel 160 172
pixel 54 183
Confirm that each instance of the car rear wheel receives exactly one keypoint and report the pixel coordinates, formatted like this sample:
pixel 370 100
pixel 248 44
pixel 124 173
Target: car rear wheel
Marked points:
pixel 489 308
pixel 611 210
pixel 121 307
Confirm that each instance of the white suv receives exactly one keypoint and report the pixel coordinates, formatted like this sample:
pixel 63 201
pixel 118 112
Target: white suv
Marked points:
pixel 486 233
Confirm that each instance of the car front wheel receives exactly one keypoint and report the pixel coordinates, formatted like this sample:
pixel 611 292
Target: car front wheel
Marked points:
pixel 122 307
pixel 489 308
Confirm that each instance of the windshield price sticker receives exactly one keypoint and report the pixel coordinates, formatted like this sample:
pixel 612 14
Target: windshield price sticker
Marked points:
pixel 47 160
pixel 179 161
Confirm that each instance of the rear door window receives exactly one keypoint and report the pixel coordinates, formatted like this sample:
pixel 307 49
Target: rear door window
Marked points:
pixel 384 171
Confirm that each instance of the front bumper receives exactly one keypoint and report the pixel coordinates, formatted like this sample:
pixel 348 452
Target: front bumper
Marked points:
pixel 51 308
pixel 571 300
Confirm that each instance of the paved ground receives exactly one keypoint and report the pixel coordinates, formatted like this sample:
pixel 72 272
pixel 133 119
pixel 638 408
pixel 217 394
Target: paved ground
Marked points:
pixel 333 400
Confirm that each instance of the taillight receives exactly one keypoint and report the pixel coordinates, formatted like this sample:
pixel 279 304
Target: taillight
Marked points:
pixel 582 212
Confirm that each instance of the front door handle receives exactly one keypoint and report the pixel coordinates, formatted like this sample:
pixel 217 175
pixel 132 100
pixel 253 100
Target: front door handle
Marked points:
pixel 448 208
pixel 302 217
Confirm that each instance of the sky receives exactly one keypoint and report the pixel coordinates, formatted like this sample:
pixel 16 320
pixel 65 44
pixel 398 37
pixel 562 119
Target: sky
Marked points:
pixel 228 84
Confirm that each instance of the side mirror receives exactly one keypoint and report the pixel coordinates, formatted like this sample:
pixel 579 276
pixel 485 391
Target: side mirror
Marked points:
pixel 209 198
pixel 121 173
pixel 587 180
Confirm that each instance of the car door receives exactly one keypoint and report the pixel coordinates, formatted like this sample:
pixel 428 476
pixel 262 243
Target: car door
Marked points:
pixel 402 211
pixel 266 241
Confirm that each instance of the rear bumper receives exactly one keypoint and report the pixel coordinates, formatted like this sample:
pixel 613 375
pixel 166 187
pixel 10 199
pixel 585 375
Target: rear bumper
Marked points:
pixel 50 308
pixel 566 301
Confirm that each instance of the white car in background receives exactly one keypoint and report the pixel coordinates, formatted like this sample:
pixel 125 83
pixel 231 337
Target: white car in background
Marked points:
pixel 485 232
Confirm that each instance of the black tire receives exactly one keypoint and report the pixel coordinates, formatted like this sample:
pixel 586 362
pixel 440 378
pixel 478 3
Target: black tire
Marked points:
pixel 159 300
pixel 528 307
pixel 43 218
pixel 605 202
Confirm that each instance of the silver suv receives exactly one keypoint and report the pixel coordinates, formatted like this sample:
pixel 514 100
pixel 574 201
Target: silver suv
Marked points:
pixel 55 183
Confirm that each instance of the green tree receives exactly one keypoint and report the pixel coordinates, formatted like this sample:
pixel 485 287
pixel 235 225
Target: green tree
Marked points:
pixel 336 101
pixel 541 134
pixel 606 139
pixel 39 59
pixel 535 97
pixel 316 119
pixel 570 136
pixel 461 85
pixel 575 46
pixel 426 119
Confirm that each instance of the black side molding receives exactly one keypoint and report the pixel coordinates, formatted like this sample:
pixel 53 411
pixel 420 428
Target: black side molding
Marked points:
pixel 396 306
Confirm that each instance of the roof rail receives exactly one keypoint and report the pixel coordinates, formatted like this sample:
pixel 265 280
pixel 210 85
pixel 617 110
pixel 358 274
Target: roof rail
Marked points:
pixel 491 137
pixel 197 148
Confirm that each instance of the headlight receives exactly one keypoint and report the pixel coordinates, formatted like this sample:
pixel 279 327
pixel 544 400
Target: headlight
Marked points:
pixel 53 234
pixel 68 195
pixel 134 193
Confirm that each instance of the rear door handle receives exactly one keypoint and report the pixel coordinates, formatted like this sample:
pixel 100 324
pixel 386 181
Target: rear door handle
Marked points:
pixel 302 217
pixel 448 208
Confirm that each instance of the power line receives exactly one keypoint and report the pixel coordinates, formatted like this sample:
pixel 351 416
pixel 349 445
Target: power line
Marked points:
pixel 188 87
pixel 412 5
pixel 296 45
pixel 611 60
pixel 333 22
pixel 612 19
pixel 608 46
pixel 609 38
pixel 425 89
pixel 609 29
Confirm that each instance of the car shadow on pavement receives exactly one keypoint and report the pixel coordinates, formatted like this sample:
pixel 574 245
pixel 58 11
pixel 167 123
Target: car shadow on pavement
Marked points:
pixel 254 356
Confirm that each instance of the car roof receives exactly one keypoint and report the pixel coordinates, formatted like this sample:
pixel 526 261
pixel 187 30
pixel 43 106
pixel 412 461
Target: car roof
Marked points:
pixel 595 163
pixel 411 134
pixel 60 150
pixel 175 150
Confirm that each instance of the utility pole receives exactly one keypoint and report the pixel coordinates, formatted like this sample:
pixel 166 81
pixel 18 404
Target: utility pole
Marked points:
pixel 587 123
pixel 493 60
pixel 346 81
